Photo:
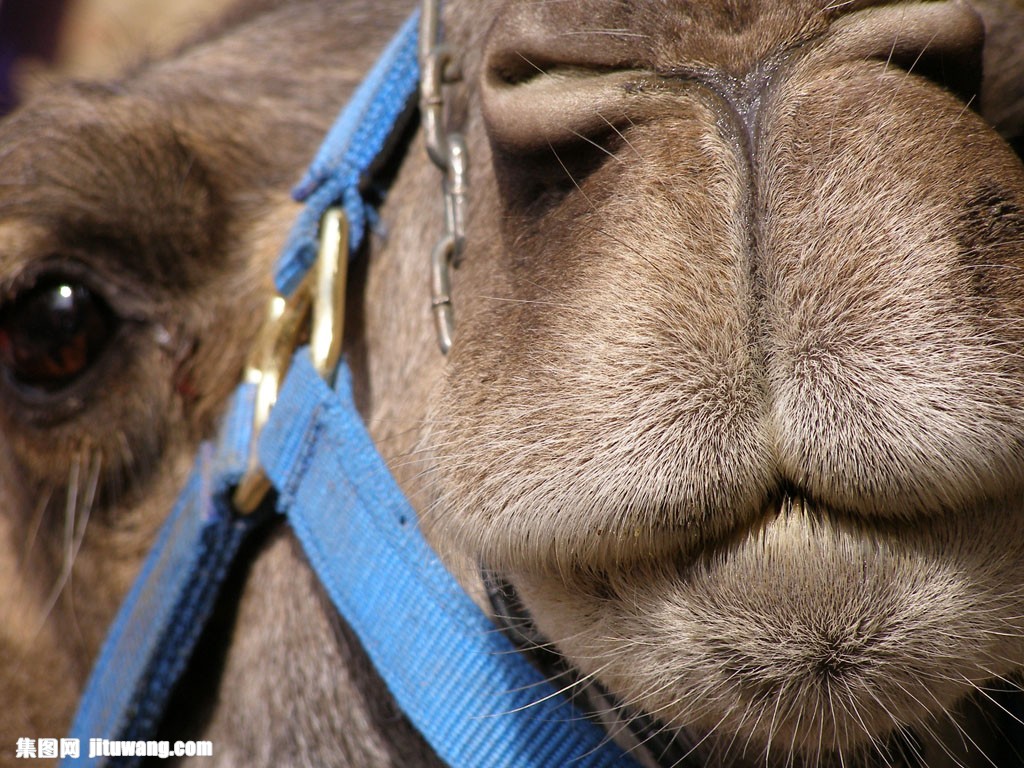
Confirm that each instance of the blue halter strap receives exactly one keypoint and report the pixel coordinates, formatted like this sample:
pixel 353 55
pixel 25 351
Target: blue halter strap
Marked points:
pixel 458 680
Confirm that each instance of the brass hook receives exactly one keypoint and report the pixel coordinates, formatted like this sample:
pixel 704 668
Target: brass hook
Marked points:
pixel 323 291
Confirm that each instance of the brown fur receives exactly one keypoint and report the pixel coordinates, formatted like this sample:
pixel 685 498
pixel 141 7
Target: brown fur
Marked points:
pixel 735 399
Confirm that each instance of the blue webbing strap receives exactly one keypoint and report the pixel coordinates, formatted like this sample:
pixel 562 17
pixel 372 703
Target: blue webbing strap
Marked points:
pixel 348 153
pixel 151 641
pixel 456 677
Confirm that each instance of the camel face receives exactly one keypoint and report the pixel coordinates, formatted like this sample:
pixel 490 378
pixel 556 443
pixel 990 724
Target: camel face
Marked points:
pixel 734 402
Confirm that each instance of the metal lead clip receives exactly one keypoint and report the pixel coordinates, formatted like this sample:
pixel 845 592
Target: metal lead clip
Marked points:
pixel 323 291
pixel 447 150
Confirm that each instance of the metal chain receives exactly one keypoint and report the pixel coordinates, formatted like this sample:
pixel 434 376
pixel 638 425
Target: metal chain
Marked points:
pixel 447 149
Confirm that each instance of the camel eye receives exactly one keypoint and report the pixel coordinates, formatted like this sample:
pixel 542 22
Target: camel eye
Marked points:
pixel 52 333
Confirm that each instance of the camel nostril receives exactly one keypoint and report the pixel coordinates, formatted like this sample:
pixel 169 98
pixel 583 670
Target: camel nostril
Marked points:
pixel 942 41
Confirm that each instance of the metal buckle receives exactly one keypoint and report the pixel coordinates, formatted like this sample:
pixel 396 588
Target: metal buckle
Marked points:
pixel 284 328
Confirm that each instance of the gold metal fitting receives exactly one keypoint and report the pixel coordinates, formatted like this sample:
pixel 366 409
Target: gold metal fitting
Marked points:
pixel 316 306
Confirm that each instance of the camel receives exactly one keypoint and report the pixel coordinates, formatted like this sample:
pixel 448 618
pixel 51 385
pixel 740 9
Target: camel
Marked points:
pixel 732 410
